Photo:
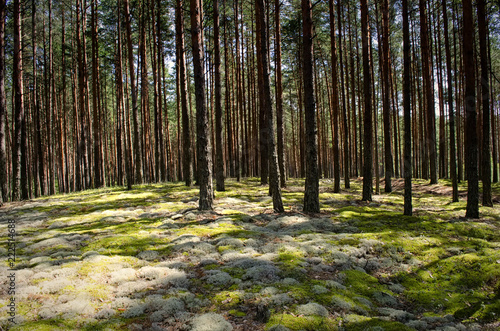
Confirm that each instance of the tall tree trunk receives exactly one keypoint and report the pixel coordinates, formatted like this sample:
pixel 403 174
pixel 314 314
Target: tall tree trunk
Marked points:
pixel 471 146
pixel 346 160
pixel 137 140
pixel 18 104
pixel 279 95
pixel 204 164
pixel 3 110
pixel 430 139
pixel 453 153
pixel 485 89
pixel 407 164
pixel 187 163
pixel 335 101
pixel 389 169
pixel 263 120
pixel 311 194
pixel 367 134
pixel 98 176
pixel 274 174
pixel 219 155
pixel 36 111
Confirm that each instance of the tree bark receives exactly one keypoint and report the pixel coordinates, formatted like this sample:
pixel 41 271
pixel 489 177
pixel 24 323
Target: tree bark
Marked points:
pixel 137 141
pixel 204 164
pixel 219 155
pixel 187 163
pixel 389 169
pixel 18 104
pixel 430 137
pixel 274 174
pixel 3 110
pixel 335 102
pixel 407 164
pixel 453 153
pixel 485 97
pixel 311 194
pixel 367 133
pixel 279 96
pixel 471 145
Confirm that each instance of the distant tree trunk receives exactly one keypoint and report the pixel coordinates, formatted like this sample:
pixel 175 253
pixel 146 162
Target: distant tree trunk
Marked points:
pixel 187 163
pixel 98 177
pixel 219 155
pixel 3 110
pixel 279 96
pixel 367 134
pixel 429 93
pixel 335 102
pixel 18 104
pixel 266 104
pixel 407 164
pixel 346 159
pixel 263 120
pixel 453 153
pixel 137 141
pixel 389 169
pixel 204 164
pixel 471 146
pixel 485 89
pixel 311 194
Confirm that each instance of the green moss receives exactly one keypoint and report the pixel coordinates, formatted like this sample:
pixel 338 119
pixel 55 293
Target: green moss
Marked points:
pixel 308 323
pixel 363 324
pixel 237 313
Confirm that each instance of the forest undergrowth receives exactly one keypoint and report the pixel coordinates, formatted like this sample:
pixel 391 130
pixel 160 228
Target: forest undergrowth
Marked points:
pixel 147 259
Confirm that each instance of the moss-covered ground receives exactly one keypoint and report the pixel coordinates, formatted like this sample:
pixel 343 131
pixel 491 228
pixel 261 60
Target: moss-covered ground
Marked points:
pixel 112 259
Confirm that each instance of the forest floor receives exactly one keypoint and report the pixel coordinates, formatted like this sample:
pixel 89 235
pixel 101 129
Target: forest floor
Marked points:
pixel 146 259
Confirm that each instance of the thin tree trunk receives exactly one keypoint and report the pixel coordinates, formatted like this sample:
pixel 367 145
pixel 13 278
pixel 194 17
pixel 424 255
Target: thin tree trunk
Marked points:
pixel 204 164
pixel 311 194
pixel 367 134
pixel 187 163
pixel 279 95
pixel 18 104
pixel 97 177
pixel 389 169
pixel 4 191
pixel 219 155
pixel 274 174
pixel 485 89
pixel 407 164
pixel 137 141
pixel 335 102
pixel 453 153
pixel 429 93
pixel 471 146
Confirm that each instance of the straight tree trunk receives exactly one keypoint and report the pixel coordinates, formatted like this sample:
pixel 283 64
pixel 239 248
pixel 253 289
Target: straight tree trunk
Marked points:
pixel 367 134
pixel 279 95
pixel 137 141
pixel 219 155
pixel 485 89
pixel 429 93
pixel 97 177
pixel 346 159
pixel 187 163
pixel 389 169
pixel 18 104
pixel 453 153
pixel 311 194
pixel 263 120
pixel 471 145
pixel 274 174
pixel 3 110
pixel 204 164
pixel 407 164
pixel 335 102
